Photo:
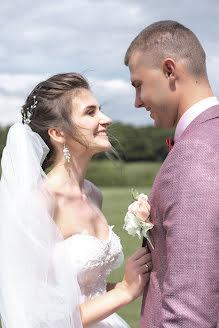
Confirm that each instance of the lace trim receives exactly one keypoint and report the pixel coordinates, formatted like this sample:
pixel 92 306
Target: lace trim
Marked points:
pixel 85 233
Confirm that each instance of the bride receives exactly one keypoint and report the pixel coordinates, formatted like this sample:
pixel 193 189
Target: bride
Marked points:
pixel 56 248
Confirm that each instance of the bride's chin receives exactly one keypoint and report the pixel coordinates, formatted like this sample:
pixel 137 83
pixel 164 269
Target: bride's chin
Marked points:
pixel 108 147
pixel 102 149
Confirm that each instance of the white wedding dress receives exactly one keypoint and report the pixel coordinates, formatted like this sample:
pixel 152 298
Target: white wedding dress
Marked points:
pixel 93 259
pixel 49 275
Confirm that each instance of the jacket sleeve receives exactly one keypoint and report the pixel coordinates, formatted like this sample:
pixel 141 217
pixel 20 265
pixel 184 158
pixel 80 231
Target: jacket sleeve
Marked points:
pixel 190 294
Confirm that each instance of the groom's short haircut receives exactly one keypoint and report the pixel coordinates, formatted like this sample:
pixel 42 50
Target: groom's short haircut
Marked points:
pixel 170 39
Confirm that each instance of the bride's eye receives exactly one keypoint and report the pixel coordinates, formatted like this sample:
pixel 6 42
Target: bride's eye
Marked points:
pixel 91 112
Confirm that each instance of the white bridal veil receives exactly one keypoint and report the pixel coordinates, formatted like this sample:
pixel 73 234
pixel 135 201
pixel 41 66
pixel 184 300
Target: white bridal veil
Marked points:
pixel 37 289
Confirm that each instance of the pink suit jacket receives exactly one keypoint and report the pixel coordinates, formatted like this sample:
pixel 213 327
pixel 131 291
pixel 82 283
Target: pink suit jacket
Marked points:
pixel 183 291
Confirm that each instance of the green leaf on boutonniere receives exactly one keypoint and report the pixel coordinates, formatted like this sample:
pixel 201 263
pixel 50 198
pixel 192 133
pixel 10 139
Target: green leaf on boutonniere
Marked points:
pixel 135 193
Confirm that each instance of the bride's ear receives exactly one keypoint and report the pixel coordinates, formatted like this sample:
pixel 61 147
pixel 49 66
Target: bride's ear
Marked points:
pixel 56 135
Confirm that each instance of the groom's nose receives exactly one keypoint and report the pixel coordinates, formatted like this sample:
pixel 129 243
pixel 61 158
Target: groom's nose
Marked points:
pixel 138 101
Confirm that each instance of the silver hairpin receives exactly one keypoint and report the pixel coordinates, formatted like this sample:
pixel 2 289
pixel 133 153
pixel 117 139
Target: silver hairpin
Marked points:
pixel 29 112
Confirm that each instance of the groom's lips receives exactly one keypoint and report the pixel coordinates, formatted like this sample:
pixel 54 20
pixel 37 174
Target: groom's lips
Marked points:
pixel 149 110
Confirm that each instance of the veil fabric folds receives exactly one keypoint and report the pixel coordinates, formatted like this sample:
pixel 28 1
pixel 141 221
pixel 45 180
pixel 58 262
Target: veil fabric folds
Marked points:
pixel 37 289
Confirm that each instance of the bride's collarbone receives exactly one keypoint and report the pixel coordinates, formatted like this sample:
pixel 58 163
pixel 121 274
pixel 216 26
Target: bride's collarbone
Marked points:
pixel 74 216
pixel 84 207
pixel 72 198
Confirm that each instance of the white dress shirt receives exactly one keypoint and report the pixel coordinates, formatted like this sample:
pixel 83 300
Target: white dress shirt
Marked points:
pixel 192 113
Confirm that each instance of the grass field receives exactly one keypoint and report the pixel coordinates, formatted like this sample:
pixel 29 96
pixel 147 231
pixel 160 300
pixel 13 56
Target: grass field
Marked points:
pixel 115 205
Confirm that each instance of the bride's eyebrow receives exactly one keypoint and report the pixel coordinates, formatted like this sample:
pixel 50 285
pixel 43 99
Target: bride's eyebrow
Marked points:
pixel 92 107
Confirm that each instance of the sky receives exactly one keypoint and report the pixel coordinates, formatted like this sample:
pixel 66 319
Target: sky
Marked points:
pixel 42 38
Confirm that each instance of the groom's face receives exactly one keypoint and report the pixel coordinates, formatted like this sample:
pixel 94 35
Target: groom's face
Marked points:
pixel 153 90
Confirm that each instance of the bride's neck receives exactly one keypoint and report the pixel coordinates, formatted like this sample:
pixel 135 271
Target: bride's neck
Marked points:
pixel 72 173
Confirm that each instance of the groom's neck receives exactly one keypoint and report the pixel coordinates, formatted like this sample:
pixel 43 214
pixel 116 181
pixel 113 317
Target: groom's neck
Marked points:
pixel 191 93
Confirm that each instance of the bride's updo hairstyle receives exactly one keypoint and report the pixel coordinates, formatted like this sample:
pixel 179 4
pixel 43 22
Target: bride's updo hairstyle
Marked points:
pixel 54 108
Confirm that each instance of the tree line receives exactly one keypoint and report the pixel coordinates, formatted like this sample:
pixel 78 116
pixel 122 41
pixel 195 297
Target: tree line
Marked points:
pixel 130 142
pixel 139 143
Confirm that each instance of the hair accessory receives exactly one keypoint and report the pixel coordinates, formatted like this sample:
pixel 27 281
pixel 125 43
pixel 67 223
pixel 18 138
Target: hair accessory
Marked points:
pixel 66 152
pixel 29 112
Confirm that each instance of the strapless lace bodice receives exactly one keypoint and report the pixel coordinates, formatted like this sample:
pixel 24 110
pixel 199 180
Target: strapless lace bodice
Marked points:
pixel 93 259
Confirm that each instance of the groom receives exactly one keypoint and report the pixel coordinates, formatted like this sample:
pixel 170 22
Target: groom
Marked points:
pixel 168 70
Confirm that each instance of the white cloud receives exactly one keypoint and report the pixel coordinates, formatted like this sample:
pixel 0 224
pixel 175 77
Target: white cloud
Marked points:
pixel 14 88
pixel 116 97
pixel 213 72
pixel 10 108
pixel 82 34
pixel 90 36
pixel 114 86
pixel 13 84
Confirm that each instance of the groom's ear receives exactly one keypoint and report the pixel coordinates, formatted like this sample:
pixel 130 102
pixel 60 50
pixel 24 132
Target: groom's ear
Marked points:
pixel 169 68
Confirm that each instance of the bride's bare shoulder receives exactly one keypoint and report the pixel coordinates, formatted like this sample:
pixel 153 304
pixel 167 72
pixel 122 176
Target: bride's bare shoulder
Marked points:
pixel 94 193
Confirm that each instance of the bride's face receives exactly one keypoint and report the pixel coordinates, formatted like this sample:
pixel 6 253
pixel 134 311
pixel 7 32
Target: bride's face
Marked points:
pixel 90 121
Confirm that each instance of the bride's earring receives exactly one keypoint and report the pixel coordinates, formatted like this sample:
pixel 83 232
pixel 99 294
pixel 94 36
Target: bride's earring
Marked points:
pixel 66 153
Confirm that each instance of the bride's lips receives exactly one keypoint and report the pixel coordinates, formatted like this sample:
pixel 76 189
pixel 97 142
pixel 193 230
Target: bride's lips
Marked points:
pixel 101 133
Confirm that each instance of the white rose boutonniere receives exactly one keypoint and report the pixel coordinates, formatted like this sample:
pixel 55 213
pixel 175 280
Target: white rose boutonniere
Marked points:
pixel 137 219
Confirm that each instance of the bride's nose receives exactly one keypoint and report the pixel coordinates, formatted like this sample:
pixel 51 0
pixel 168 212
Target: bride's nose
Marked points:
pixel 105 120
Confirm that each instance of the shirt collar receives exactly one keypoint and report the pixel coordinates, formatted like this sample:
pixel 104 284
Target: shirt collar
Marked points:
pixel 192 113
